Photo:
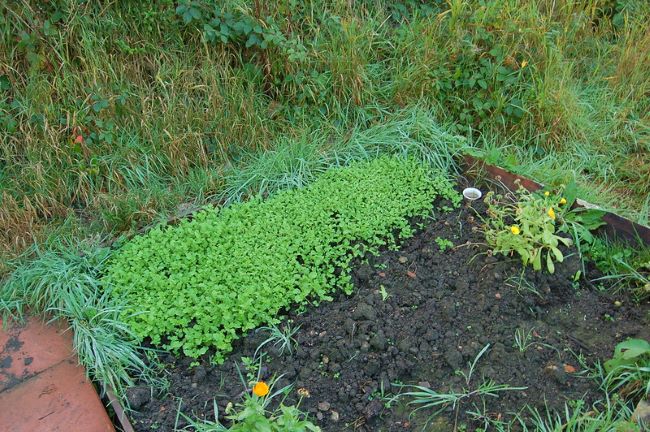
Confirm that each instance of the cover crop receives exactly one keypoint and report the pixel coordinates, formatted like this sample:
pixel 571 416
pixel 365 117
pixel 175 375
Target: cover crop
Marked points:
pixel 202 282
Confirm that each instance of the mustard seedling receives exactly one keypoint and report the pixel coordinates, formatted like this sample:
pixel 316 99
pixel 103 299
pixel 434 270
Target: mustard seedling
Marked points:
pixel 202 283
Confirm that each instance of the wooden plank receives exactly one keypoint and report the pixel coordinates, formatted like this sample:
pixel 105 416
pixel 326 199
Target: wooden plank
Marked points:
pixel 42 386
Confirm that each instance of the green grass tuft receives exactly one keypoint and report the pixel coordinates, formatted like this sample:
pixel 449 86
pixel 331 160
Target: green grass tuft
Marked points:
pixel 63 283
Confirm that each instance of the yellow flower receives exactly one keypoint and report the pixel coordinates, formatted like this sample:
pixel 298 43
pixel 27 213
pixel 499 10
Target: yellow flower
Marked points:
pixel 524 64
pixel 515 230
pixel 261 389
pixel 551 213
pixel 562 201
pixel 547 193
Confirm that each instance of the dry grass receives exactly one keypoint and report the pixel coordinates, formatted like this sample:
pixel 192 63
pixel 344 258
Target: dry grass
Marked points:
pixel 163 113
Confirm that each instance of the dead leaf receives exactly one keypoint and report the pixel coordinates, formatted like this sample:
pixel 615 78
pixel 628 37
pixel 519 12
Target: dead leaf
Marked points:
pixel 569 369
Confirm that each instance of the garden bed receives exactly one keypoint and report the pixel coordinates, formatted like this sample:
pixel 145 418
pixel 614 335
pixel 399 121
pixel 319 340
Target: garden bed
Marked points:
pixel 418 316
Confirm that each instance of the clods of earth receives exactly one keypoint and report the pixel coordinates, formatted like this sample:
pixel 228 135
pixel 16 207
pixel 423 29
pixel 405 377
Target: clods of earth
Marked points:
pixel 418 316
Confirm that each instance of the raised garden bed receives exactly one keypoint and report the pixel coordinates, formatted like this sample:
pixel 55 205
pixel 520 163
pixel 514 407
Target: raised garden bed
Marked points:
pixel 419 316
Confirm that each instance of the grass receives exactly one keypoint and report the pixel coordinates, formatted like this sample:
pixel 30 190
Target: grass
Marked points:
pixel 426 398
pixel 604 416
pixel 611 413
pixel 576 417
pixel 622 389
pixel 282 339
pixel 523 338
pixel 62 283
pixel 168 117
pixel 626 268
pixel 297 162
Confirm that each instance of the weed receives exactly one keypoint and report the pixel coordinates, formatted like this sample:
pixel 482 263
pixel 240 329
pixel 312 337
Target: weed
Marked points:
pixel 627 268
pixel 523 339
pixel 383 292
pixel 252 366
pixel 444 244
pixel 608 414
pixel 628 372
pixel 522 285
pixel 426 398
pixel 578 418
pixel 64 282
pixel 253 413
pixel 281 338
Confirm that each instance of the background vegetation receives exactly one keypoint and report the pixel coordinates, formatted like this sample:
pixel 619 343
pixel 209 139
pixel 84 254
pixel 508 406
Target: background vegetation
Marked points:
pixel 114 114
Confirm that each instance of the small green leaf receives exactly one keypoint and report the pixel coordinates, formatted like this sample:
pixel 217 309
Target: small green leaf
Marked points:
pixel 549 263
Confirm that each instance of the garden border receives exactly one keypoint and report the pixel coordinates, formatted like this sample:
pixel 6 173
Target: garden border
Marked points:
pixel 120 412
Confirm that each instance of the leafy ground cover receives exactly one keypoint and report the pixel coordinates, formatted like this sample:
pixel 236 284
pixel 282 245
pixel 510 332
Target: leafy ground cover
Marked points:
pixel 199 284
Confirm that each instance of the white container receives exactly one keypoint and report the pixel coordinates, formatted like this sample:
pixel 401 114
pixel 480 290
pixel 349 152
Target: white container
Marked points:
pixel 472 194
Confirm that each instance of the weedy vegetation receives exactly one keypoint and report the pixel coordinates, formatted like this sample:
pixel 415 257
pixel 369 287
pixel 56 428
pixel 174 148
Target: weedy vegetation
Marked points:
pixel 63 283
pixel 523 339
pixel 254 413
pixel 282 339
pixel 444 244
pixel 623 380
pixel 628 371
pixel 113 115
pixel 627 268
pixel 425 398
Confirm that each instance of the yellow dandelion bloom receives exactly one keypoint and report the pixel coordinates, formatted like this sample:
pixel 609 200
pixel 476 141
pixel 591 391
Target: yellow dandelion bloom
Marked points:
pixel 524 64
pixel 562 201
pixel 551 213
pixel 261 389
pixel 515 230
pixel 547 193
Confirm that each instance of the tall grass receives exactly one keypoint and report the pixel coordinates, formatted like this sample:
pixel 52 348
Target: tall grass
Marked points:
pixel 168 117
pixel 296 162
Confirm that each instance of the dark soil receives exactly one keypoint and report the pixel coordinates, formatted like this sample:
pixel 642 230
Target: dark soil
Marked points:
pixel 442 309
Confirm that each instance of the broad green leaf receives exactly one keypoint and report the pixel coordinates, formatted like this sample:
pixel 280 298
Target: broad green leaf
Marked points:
pixel 632 348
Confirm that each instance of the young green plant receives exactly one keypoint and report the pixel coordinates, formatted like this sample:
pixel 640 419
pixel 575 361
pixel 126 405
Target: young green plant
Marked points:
pixel 526 226
pixel 201 283
pixel 427 398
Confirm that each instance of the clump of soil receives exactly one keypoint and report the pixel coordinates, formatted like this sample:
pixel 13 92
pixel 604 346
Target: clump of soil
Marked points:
pixel 418 316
